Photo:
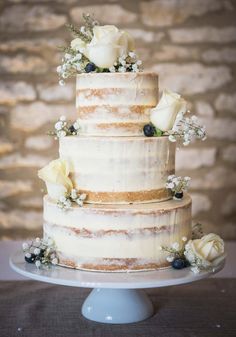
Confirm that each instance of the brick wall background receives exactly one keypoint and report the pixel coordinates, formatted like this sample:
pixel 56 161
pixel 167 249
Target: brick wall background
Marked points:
pixel 190 43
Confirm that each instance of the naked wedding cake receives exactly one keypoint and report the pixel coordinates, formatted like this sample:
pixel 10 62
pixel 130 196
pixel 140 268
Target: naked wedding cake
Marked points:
pixel 114 202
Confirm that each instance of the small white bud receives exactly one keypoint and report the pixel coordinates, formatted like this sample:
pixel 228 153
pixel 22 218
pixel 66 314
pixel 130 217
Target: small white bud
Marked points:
pixel 38 263
pixel 83 196
pixel 175 245
pixel 36 251
pixel 54 261
pixel 170 258
pixel 25 245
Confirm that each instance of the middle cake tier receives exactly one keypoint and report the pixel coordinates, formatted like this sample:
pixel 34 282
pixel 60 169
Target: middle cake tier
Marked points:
pixel 119 169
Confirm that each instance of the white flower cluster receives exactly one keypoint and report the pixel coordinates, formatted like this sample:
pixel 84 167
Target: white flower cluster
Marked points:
pixel 40 252
pixel 203 253
pixel 72 63
pixel 65 202
pixel 177 184
pixel 126 63
pixel 62 129
pixel 187 128
pixel 176 250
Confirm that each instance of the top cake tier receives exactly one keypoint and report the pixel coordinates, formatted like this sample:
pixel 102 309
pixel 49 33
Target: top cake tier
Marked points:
pixel 115 104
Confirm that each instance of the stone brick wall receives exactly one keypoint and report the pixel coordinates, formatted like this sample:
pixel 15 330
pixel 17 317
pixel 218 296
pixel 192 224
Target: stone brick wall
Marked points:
pixel 190 43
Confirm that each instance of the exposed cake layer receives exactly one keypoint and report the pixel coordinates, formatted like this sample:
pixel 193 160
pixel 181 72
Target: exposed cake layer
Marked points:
pixel 117 237
pixel 119 169
pixel 115 104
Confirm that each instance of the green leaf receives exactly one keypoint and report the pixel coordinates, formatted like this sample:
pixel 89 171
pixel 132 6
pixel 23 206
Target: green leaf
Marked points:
pixel 158 133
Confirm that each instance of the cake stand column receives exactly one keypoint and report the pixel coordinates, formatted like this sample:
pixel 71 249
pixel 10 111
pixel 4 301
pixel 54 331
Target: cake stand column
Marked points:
pixel 117 306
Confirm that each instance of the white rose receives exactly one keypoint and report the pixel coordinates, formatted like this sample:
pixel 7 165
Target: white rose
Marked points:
pixel 107 45
pixel 78 44
pixel 208 249
pixel 56 177
pixel 163 116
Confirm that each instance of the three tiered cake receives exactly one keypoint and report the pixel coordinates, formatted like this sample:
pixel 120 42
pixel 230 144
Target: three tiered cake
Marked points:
pixel 128 213
pixel 114 202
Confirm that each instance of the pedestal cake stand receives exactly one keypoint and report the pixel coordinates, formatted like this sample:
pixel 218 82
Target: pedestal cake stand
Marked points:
pixel 116 298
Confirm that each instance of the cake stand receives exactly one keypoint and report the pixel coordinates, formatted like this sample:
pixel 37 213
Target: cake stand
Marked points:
pixel 116 298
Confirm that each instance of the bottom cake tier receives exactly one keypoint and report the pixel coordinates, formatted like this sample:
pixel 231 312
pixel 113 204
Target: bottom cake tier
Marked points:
pixel 117 237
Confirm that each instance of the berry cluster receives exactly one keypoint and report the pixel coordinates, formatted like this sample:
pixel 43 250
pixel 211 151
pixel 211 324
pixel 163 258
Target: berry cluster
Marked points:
pixel 40 252
pixel 177 185
pixel 176 255
pixel 62 128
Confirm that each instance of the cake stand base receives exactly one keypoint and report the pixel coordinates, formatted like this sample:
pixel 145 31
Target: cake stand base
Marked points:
pixel 117 306
pixel 116 298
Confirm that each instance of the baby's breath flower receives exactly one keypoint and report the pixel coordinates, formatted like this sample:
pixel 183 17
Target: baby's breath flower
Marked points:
pixel 59 125
pixel 177 184
pixel 83 196
pixel 76 126
pixel 38 263
pixel 187 128
pixel 54 261
pixel 170 258
pixel 112 69
pixel 121 69
pixel 25 245
pixel 36 251
pixel 40 251
pixel 79 202
pixel 175 245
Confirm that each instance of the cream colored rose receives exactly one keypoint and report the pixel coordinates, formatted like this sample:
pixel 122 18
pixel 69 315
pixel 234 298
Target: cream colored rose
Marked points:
pixel 56 177
pixel 163 116
pixel 208 249
pixel 78 44
pixel 107 45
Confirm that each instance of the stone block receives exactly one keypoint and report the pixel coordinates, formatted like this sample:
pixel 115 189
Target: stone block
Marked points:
pixel 13 92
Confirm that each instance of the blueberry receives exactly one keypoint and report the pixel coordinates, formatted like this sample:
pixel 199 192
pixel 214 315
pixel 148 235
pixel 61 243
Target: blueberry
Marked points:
pixel 186 263
pixel 72 129
pixel 179 195
pixel 90 67
pixel 179 263
pixel 149 130
pixel 41 254
pixel 30 259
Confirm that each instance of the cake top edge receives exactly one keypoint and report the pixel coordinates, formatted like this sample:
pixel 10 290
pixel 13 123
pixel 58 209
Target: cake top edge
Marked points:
pixel 152 207
pixel 143 73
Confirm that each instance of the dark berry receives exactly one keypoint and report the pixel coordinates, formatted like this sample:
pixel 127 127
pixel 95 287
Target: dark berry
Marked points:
pixel 90 67
pixel 186 263
pixel 72 129
pixel 149 130
pixel 41 254
pixel 179 263
pixel 179 195
pixel 30 259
